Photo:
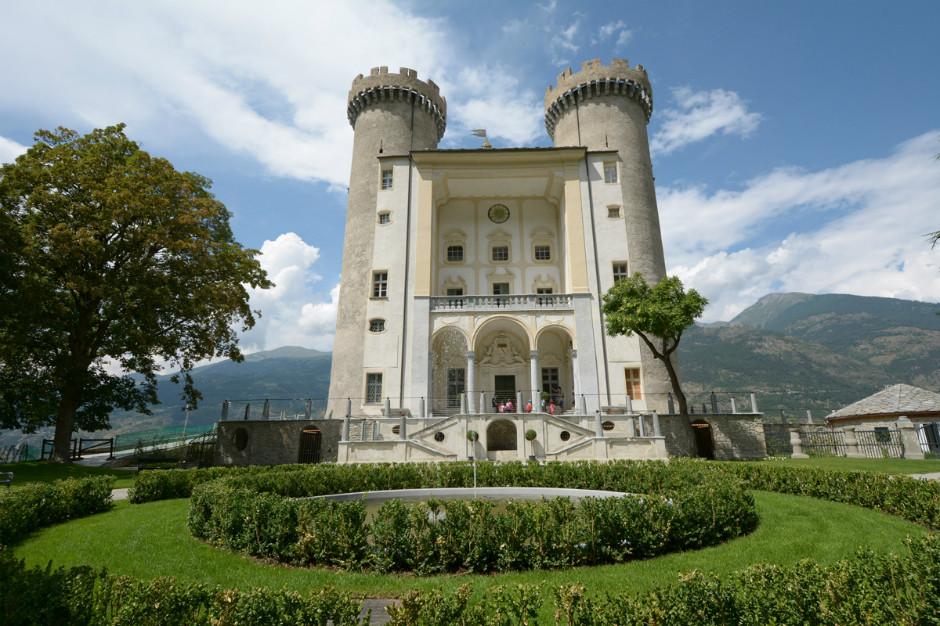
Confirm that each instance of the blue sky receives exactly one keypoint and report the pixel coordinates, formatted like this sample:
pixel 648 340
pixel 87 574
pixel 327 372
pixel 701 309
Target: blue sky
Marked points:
pixel 792 141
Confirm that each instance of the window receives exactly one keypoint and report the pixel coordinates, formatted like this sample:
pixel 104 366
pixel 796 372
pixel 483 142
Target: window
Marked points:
pixel 455 292
pixel 613 212
pixel 634 390
pixel 610 172
pixel 456 385
pixel 377 325
pixel 385 217
pixel 543 253
pixel 373 388
pixel 379 284
pixel 620 270
pixel 544 291
pixel 387 179
pixel 455 254
pixel 500 289
pixel 500 254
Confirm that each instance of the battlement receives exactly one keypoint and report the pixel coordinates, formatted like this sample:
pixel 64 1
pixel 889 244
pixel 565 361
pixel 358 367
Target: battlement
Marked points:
pixel 382 86
pixel 596 79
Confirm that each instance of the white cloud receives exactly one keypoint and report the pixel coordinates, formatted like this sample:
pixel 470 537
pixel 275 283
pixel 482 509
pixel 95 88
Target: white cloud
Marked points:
pixel 700 115
pixel 267 81
pixel 507 114
pixel 606 31
pixel 9 150
pixel 291 313
pixel 858 228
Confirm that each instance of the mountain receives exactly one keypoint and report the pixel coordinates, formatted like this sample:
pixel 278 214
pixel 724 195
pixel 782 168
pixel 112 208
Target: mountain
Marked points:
pixel 799 351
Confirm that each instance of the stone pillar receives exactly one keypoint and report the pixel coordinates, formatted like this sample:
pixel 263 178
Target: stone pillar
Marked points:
pixel 851 443
pixel 463 404
pixel 629 405
pixel 576 387
pixel 402 427
pixel 346 427
pixel 598 427
pixel 734 408
pixel 387 407
pixel 224 412
pixel 642 426
pixel 471 381
pixel 535 379
pixel 348 407
pixel 582 405
pixel 714 401
pixel 671 404
pixel 247 412
pixel 795 441
pixel 421 408
pixel 519 398
pixel 912 449
pixel 754 404
pixel 483 406
pixel 657 431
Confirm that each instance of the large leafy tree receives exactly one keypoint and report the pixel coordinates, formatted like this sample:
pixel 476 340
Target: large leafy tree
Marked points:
pixel 658 314
pixel 112 262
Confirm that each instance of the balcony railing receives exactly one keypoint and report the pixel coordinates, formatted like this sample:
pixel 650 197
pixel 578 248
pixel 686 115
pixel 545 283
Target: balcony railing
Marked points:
pixel 541 301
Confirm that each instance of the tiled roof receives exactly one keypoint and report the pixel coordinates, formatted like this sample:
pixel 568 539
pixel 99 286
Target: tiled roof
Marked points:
pixel 896 400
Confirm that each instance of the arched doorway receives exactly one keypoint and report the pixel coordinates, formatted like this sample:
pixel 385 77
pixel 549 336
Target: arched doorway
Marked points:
pixel 449 371
pixel 501 438
pixel 555 371
pixel 502 350
pixel 310 440
pixel 704 443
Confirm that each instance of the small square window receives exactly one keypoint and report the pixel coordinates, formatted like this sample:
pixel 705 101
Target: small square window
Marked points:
pixel 387 179
pixel 620 271
pixel 500 253
pixel 610 172
pixel 458 291
pixel 373 388
pixel 385 218
pixel 613 212
pixel 377 325
pixel 544 290
pixel 500 289
pixel 543 253
pixel 455 254
pixel 379 284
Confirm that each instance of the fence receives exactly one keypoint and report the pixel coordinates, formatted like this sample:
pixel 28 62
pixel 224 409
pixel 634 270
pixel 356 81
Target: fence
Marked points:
pixel 81 446
pixel 14 454
pixel 881 442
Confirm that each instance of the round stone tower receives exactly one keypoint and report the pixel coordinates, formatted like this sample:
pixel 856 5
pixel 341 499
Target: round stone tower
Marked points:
pixel 391 114
pixel 606 108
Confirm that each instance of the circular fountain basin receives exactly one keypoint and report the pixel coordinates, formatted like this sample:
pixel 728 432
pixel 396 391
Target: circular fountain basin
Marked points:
pixel 496 494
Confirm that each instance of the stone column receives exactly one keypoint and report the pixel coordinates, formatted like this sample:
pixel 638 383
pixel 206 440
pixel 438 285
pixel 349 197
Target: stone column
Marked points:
pixel 598 427
pixel 754 404
pixel 851 443
pixel 534 379
pixel 912 449
pixel 574 374
pixel 346 428
pixel 471 381
pixel 402 427
pixel 795 441
pixel 657 430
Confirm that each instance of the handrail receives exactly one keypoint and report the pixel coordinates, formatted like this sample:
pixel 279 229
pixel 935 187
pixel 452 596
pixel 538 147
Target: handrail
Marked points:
pixel 550 301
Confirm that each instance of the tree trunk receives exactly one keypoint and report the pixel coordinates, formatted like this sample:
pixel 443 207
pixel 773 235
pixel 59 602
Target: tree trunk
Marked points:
pixel 676 387
pixel 64 427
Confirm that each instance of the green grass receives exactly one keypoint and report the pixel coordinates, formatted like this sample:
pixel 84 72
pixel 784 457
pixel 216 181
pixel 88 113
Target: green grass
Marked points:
pixel 890 466
pixel 45 472
pixel 151 540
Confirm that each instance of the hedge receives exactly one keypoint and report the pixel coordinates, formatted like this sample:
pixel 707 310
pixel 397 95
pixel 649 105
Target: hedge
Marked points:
pixel 269 514
pixel 37 505
pixel 866 589
pixel 81 595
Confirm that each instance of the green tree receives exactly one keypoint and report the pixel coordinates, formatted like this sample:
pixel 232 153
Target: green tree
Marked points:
pixel 658 314
pixel 112 262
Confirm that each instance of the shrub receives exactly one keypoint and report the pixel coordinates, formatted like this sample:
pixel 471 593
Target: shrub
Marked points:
pixel 37 505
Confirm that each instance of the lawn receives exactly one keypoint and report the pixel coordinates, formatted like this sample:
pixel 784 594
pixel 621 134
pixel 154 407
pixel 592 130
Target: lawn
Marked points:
pixel 45 472
pixel 151 540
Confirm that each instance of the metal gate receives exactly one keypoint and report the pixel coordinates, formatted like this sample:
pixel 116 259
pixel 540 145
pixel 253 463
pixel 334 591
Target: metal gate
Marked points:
pixel 880 443
pixel 309 445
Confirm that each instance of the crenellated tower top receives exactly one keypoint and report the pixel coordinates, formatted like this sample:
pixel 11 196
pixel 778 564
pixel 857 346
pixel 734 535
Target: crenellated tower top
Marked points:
pixel 380 86
pixel 594 80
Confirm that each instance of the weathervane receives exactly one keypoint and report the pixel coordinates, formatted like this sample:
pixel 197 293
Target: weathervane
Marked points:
pixel 481 132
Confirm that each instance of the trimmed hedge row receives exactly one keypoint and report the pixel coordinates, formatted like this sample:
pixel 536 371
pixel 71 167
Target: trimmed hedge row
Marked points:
pixel 307 480
pixel 36 505
pixel 81 595
pixel 470 535
pixel 912 499
pixel 867 589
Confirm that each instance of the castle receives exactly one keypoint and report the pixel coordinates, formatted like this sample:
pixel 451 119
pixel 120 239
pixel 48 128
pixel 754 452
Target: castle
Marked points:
pixel 469 320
